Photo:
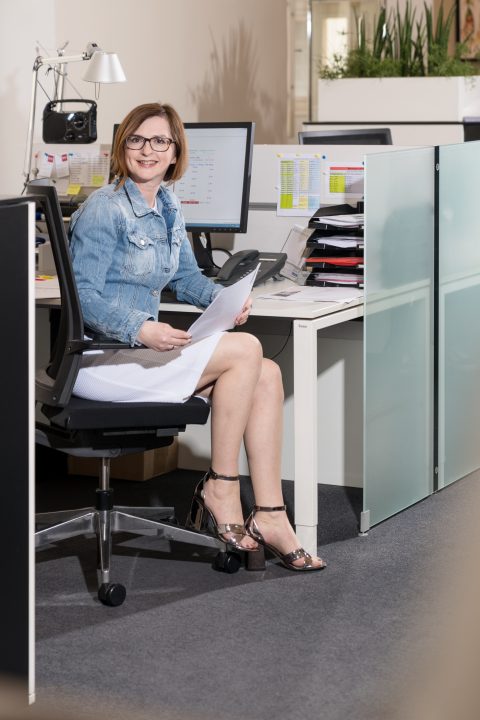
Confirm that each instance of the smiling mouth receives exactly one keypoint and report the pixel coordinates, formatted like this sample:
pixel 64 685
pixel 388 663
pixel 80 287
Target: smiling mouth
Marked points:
pixel 147 163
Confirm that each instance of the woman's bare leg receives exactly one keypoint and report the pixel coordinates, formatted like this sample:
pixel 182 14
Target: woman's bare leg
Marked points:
pixel 230 380
pixel 263 444
pixel 246 392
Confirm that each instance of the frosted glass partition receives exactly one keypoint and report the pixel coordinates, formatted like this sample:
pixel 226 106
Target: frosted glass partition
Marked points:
pixel 459 317
pixel 398 353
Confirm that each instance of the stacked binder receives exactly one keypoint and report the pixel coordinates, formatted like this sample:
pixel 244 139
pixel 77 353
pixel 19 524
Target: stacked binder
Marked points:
pixel 334 252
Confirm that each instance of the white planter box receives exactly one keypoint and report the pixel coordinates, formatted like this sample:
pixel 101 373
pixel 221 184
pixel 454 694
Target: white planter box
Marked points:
pixel 381 100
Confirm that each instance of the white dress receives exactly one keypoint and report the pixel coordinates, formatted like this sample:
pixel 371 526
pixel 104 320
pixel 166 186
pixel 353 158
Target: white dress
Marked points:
pixel 144 375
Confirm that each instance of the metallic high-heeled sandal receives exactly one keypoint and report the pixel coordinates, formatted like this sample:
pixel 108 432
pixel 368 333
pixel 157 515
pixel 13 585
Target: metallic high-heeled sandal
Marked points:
pixel 287 560
pixel 202 520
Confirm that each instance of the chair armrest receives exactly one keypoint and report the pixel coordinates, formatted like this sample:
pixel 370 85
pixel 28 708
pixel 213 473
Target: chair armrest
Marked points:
pixel 99 341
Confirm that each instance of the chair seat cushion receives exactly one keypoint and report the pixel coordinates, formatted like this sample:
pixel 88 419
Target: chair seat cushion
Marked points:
pixel 82 414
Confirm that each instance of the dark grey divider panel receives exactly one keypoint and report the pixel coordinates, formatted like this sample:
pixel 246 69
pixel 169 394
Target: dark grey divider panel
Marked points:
pixel 16 420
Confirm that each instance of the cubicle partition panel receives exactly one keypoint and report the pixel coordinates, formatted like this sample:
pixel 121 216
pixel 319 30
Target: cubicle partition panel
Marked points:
pixel 458 311
pixel 398 332
pixel 17 240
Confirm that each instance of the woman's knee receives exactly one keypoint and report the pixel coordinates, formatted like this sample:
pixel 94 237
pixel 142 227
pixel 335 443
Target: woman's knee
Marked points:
pixel 271 378
pixel 243 347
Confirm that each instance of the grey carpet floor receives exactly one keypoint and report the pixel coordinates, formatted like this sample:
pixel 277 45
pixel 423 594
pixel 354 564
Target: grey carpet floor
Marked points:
pixel 192 643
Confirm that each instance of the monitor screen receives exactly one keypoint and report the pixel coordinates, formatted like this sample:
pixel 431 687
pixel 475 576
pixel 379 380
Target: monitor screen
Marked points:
pixel 364 136
pixel 215 190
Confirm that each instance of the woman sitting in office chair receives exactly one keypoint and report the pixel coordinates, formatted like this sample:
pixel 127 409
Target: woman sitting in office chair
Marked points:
pixel 128 241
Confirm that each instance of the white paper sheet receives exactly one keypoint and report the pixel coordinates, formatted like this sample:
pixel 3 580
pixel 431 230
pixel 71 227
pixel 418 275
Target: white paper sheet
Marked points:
pixel 298 184
pixel 221 313
pixel 341 241
pixel 315 294
pixel 342 181
pixel 353 220
pixel 46 286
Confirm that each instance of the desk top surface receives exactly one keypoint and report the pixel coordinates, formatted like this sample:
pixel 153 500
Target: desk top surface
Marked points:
pixel 262 307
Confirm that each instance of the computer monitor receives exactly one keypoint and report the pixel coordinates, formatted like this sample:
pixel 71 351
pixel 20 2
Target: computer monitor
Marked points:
pixel 215 190
pixel 361 136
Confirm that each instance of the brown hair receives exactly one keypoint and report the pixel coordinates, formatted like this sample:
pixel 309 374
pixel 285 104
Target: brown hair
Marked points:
pixel 129 125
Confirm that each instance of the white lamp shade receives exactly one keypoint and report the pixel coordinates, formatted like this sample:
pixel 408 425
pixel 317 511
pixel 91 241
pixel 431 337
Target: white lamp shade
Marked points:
pixel 104 67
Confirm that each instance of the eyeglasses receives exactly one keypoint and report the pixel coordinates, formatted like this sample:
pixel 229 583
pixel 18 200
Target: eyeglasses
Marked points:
pixel 158 143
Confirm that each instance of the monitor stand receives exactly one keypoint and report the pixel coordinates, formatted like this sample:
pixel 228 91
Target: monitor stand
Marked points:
pixel 202 249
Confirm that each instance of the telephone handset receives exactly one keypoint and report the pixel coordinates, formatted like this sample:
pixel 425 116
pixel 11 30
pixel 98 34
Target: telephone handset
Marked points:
pixel 244 261
pixel 237 266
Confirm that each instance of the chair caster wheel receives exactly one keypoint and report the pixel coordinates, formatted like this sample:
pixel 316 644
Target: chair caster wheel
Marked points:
pixel 112 594
pixel 228 562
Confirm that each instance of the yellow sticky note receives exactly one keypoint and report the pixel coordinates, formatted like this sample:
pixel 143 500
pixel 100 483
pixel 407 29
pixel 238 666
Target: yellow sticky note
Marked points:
pixel 97 180
pixel 73 189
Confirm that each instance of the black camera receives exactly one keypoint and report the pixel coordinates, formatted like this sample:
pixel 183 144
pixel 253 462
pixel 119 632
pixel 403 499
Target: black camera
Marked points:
pixel 69 125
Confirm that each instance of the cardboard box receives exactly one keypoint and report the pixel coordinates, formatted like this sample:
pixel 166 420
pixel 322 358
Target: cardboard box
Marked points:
pixel 136 466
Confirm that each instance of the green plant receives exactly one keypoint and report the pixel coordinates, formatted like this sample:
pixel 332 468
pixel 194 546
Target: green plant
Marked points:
pixel 402 46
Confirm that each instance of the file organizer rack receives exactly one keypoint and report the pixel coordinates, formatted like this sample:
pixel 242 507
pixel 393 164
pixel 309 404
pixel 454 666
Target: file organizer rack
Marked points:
pixel 330 257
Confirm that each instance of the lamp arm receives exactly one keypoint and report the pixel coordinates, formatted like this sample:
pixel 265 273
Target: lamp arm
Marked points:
pixel 27 166
pixel 60 59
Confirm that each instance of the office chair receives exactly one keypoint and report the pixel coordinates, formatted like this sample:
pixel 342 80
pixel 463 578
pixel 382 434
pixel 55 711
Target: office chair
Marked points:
pixel 359 136
pixel 102 429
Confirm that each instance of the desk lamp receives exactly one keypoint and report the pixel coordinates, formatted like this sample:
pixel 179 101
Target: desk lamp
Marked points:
pixel 103 67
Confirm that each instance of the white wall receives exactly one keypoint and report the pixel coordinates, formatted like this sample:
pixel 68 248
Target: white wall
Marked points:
pixel 211 59
pixel 22 23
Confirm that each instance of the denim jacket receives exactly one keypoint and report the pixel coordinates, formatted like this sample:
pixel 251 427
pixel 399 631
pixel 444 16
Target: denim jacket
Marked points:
pixel 125 253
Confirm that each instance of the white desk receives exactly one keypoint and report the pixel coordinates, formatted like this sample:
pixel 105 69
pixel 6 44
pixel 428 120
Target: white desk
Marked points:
pixel 308 318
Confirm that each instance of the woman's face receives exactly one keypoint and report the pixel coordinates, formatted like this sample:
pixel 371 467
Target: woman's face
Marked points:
pixel 147 166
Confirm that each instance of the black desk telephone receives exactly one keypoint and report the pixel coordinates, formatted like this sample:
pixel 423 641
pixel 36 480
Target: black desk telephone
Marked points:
pixel 243 262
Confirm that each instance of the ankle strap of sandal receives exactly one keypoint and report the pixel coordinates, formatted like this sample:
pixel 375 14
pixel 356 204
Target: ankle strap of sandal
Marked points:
pixel 264 508
pixel 216 476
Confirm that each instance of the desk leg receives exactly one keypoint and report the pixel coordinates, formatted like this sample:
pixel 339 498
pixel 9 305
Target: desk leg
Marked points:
pixel 305 424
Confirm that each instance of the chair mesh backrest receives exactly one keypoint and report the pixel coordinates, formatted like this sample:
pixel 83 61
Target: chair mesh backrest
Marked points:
pixel 54 384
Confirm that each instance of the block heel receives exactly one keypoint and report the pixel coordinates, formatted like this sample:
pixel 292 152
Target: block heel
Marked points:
pixel 287 559
pixel 202 520
pixel 255 561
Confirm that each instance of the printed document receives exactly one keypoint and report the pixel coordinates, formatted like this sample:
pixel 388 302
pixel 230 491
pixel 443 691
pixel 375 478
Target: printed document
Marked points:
pixel 343 181
pixel 340 241
pixel 221 313
pixel 315 294
pixel 46 286
pixel 355 220
pixel 298 183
